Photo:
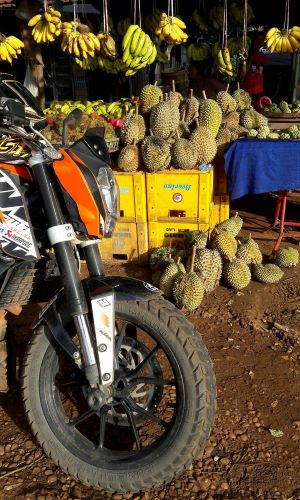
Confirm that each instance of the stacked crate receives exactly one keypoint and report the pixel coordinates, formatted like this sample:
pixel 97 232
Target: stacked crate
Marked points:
pixel 179 201
pixel 130 239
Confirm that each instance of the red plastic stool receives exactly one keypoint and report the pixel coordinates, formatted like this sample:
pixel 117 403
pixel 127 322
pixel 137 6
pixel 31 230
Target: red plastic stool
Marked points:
pixel 280 213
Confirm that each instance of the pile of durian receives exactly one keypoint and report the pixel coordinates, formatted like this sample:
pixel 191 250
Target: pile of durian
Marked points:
pixel 185 276
pixel 168 130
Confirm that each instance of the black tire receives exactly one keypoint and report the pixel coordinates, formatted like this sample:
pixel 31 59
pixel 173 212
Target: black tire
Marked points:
pixel 188 436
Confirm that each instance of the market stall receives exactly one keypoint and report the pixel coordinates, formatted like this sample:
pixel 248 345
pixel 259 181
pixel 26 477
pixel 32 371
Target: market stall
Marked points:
pixel 180 89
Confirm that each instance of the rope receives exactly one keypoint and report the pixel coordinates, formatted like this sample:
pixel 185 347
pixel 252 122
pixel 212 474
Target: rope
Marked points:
pixel 171 8
pixel 245 26
pixel 225 25
pixel 45 5
pixel 75 10
pixel 105 16
pixel 140 14
pixel 286 23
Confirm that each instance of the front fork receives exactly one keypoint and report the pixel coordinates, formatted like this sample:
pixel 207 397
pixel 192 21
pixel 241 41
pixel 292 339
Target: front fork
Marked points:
pixel 61 234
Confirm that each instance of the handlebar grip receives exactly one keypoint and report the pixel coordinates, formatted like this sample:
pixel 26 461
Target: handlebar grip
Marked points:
pixel 74 118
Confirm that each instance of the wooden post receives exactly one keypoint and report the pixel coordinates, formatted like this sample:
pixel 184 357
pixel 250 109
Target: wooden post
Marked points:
pixel 32 51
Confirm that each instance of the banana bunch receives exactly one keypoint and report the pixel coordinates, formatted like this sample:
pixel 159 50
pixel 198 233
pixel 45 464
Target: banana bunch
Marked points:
pixel 171 29
pixel 119 109
pixel 222 60
pixel 138 50
pixel 152 21
pixel 123 26
pixel 236 14
pixel 161 57
pixel 10 48
pixel 198 52
pixel 108 47
pixel 46 27
pixel 216 17
pixel 91 63
pixel 283 40
pixel 78 40
pixel 199 21
pixel 112 67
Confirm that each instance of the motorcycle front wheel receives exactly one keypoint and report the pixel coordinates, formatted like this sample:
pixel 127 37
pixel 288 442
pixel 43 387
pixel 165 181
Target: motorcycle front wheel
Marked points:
pixel 161 412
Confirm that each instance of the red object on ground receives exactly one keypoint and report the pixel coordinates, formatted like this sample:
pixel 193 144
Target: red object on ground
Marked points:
pixel 50 120
pixel 280 213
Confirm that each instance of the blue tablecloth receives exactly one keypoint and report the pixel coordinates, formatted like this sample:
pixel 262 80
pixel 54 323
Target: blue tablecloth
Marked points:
pixel 255 166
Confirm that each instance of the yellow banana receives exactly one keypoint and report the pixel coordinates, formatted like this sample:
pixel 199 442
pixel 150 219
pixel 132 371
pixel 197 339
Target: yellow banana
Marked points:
pixel 134 40
pixel 178 22
pixel 289 47
pixel 294 42
pixel 295 31
pixel 127 37
pixel 226 55
pixel 55 20
pixel 34 20
pixel 10 50
pixel 15 42
pixel 153 55
pixel 52 28
pixel 48 16
pixel 271 32
pixel 76 51
pixel 82 44
pixel 278 46
pixel 221 60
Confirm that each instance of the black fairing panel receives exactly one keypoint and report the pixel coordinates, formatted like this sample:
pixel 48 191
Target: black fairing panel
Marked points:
pixel 92 150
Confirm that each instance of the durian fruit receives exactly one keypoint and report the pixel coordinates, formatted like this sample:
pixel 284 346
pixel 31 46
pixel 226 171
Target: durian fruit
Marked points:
pixel 205 143
pixel 243 99
pixel 294 132
pixel 166 281
pixel 263 132
pixel 188 289
pixel 236 274
pixel 260 120
pixel 164 119
pixel 249 251
pixel 272 135
pixel 133 130
pixel 189 108
pixel 150 96
pixel 233 225
pixel 156 153
pixel 210 114
pixel 252 133
pixel 268 273
pixel 287 257
pixel 129 158
pixel 241 131
pixel 161 257
pixel 226 102
pixel 248 119
pixel 231 120
pixel 208 263
pixel 184 154
pixel 223 140
pixel 196 238
pixel 284 135
pixel 225 243
pixel 174 96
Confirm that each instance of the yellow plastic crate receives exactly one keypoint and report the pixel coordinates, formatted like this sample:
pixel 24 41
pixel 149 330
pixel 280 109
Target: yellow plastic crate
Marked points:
pixel 133 202
pixel 175 195
pixel 220 210
pixel 165 234
pixel 128 243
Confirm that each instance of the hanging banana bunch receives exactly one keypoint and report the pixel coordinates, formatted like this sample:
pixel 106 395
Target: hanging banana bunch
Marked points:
pixel 222 58
pixel 286 40
pixel 198 52
pixel 170 29
pixel 78 40
pixel 152 21
pixel 108 49
pixel 10 48
pixel 46 27
pixel 138 50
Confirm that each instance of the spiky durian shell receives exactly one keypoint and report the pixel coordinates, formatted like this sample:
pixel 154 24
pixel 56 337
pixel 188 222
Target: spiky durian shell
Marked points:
pixel 268 273
pixel 150 96
pixel 287 257
pixel 225 243
pixel 156 153
pixel 164 119
pixel 129 158
pixel 237 274
pixel 183 154
pixel 205 144
pixel 210 115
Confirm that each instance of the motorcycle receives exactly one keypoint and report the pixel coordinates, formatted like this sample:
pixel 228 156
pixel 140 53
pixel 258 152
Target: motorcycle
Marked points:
pixel 118 386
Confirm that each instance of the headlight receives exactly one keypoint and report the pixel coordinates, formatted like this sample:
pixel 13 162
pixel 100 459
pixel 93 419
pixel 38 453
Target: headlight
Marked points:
pixel 109 191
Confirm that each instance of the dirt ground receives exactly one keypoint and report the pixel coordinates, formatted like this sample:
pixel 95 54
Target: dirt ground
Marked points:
pixel 253 337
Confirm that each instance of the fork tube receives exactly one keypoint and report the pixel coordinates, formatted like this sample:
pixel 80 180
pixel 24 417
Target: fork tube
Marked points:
pixel 74 292
pixel 93 259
